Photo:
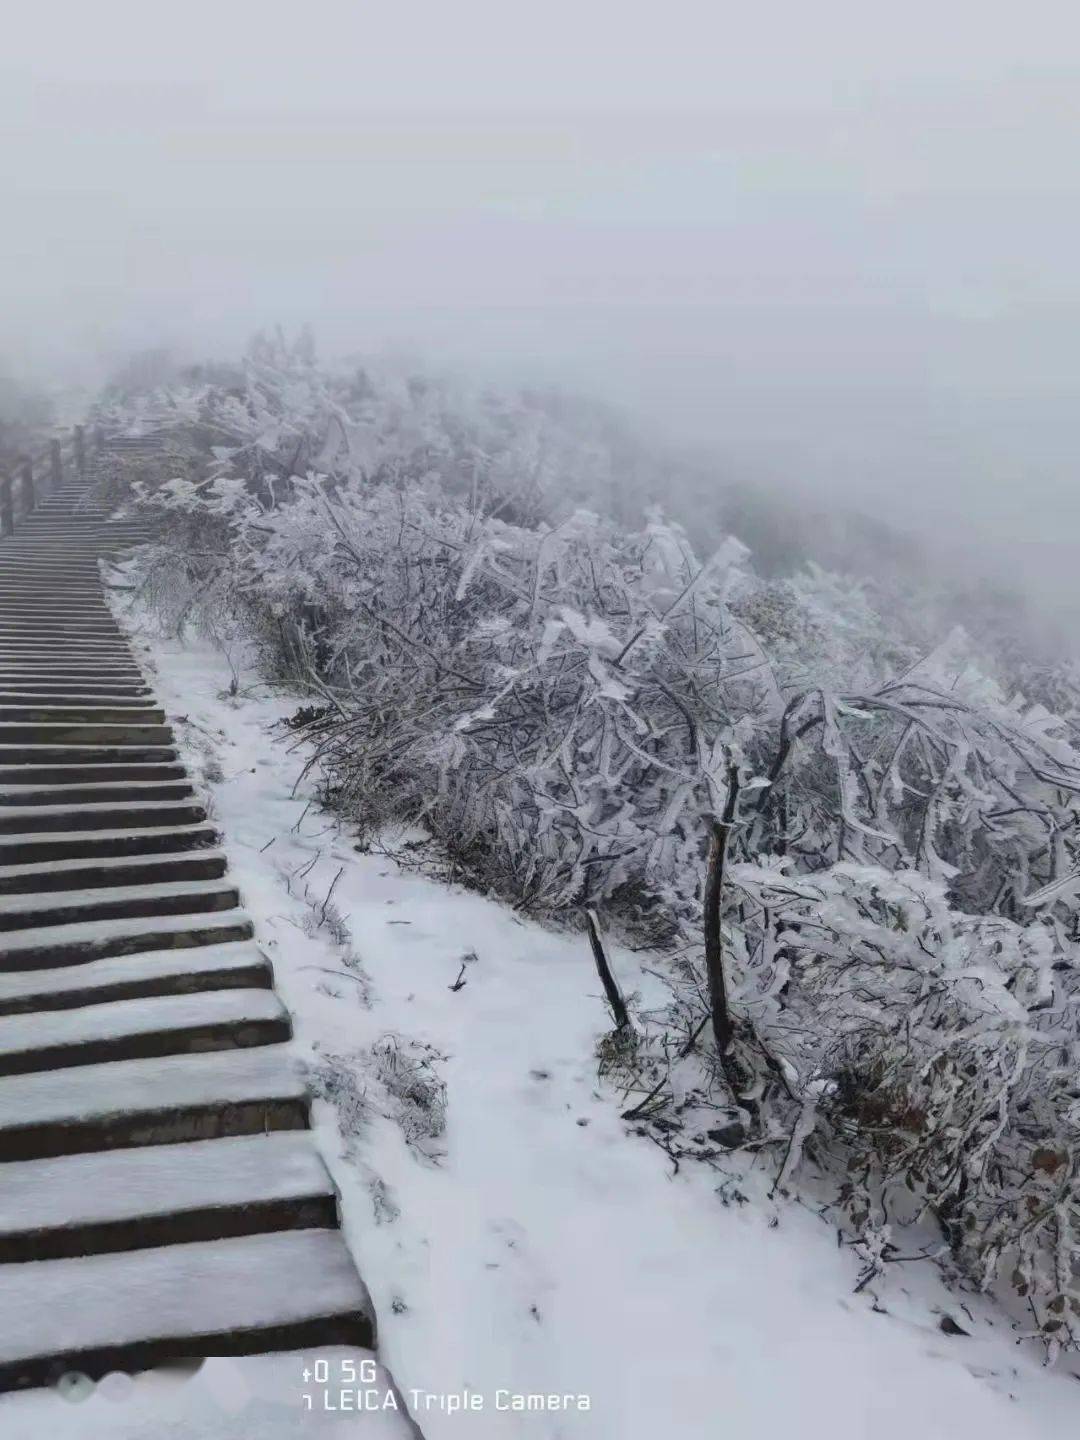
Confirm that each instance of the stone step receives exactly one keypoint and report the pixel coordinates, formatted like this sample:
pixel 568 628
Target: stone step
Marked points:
pixel 32 712
pixel 163 1195
pixel 50 609
pixel 125 1103
pixel 51 605
pixel 90 649
pixel 95 792
pixel 61 576
pixel 89 663
pixel 97 844
pixel 59 544
pixel 87 774
pixel 80 700
pixel 12 627
pixel 19 611
pixel 117 692
pixel 52 628
pixel 14 733
pixel 112 871
pixel 208 1021
pixel 61 586
pixel 238 964
pixel 53 945
pixel 116 902
pixel 29 819
pixel 134 1310
pixel 60 567
pixel 128 676
pixel 33 755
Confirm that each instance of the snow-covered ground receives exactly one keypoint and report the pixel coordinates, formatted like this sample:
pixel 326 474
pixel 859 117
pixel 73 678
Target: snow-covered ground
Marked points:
pixel 522 1242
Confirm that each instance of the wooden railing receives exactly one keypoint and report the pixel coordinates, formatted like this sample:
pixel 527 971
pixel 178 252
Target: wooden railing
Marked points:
pixel 30 475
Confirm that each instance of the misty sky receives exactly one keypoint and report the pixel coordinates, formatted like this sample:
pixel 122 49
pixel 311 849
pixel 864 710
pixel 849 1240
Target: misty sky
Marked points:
pixel 836 242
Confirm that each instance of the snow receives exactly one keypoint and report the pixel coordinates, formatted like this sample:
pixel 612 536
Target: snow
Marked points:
pixel 53 1306
pixel 98 1188
pixel 536 1245
pixel 129 969
pixel 122 1087
pixel 258 1397
pixel 22 1034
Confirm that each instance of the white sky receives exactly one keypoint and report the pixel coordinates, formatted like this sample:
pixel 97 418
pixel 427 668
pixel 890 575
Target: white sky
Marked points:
pixel 838 241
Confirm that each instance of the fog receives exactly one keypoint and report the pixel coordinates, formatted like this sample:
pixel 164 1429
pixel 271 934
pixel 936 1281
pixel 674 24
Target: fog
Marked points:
pixel 834 243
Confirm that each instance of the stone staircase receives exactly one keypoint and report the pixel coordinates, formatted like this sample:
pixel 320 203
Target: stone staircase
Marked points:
pixel 160 1194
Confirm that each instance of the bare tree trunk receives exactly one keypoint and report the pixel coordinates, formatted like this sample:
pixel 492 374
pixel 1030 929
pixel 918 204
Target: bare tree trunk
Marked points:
pixel 610 984
pixel 714 940
pixel 713 904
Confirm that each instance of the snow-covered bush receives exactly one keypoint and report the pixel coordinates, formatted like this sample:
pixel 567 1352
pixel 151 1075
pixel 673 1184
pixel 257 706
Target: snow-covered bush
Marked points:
pixel 941 1050
pixel 567 702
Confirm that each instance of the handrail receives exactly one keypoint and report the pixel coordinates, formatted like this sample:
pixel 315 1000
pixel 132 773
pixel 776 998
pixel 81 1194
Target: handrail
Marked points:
pixel 23 477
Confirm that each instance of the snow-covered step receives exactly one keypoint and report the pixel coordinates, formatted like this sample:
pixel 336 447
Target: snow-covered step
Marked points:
pixel 54 709
pixel 89 774
pixel 48 601
pixel 118 902
pixel 117 692
pixel 86 755
pixel 47 605
pixel 80 699
pixel 95 792
pixel 231 966
pixel 210 1020
pixel 58 627
pixel 149 1102
pixel 26 819
pixel 30 849
pixel 21 638
pixel 33 667
pixel 194 1410
pixel 136 1309
pixel 29 756
pixel 111 870
pixel 51 555
pixel 12 733
pixel 61 650
pixel 78 665
pixel 73 592
pixel 47 946
pixel 32 712
pixel 163 1195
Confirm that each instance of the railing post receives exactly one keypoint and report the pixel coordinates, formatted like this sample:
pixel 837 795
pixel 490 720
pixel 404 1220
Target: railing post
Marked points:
pixel 29 498
pixel 80 451
pixel 7 506
pixel 56 464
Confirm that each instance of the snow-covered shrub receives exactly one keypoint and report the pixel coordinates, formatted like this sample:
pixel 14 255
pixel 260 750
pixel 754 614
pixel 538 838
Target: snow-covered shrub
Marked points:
pixel 566 702
pixel 941 1049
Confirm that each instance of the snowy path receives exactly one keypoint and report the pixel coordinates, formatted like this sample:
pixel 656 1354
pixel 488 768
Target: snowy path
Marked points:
pixel 161 1196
